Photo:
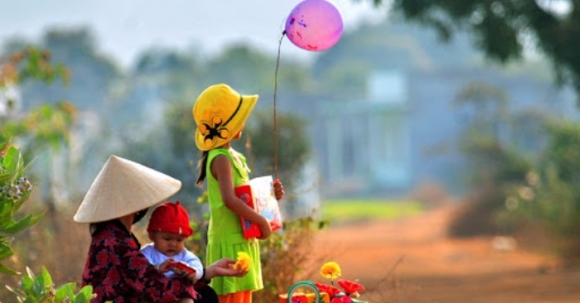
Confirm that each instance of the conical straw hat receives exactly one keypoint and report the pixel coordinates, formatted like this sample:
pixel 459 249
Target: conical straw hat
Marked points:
pixel 124 187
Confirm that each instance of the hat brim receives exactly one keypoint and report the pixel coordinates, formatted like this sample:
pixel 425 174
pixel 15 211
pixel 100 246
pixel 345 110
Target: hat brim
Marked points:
pixel 123 187
pixel 234 126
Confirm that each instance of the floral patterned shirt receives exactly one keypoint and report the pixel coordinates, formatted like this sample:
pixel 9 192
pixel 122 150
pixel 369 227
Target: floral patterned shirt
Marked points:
pixel 120 273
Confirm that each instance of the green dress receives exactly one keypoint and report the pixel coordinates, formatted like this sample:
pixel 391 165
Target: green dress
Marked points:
pixel 225 238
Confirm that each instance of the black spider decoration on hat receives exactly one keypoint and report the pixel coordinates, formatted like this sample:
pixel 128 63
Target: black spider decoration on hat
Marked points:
pixel 212 130
pixel 217 129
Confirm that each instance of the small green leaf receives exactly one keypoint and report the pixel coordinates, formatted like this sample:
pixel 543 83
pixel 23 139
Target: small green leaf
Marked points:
pixel 65 291
pixel 20 225
pixel 5 209
pixel 8 271
pixel 87 290
pixel 26 285
pixel 11 160
pixel 38 286
pixel 85 295
pixel 4 223
pixel 46 278
pixel 4 142
pixel 30 300
pixel 5 251
pixel 5 177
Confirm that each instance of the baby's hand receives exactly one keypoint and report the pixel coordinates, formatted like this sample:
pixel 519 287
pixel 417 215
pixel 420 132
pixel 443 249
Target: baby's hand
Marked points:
pixel 278 190
pixel 181 268
pixel 164 267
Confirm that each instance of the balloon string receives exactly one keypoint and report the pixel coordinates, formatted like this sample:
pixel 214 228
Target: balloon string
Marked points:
pixel 275 115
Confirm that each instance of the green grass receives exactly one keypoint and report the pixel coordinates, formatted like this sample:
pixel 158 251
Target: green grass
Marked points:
pixel 368 209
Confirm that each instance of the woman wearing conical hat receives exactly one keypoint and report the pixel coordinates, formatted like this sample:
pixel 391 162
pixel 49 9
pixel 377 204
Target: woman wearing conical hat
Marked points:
pixel 115 268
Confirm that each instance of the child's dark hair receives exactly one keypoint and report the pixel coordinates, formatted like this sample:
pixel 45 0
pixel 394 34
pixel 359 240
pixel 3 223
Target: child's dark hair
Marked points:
pixel 202 167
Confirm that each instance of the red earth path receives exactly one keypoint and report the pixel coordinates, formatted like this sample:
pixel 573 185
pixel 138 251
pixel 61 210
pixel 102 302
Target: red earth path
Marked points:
pixel 412 260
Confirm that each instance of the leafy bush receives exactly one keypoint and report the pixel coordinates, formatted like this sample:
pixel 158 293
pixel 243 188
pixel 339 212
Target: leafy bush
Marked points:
pixel 41 289
pixel 496 170
pixel 14 191
pixel 551 195
pixel 283 255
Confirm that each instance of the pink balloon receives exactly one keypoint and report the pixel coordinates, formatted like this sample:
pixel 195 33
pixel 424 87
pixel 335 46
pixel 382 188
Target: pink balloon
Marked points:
pixel 314 25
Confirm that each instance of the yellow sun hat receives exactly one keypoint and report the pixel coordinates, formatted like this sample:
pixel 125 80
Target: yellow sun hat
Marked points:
pixel 220 113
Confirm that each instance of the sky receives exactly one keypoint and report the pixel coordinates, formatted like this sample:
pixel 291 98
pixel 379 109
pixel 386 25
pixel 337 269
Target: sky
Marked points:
pixel 123 28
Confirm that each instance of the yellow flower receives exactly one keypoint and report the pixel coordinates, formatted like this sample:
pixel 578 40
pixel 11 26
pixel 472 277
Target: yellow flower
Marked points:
pixel 330 270
pixel 244 262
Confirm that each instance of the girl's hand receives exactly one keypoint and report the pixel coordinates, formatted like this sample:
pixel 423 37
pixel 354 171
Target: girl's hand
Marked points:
pixel 278 190
pixel 223 267
pixel 265 229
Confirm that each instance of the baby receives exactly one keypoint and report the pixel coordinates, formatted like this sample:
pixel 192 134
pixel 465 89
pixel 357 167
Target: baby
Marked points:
pixel 168 228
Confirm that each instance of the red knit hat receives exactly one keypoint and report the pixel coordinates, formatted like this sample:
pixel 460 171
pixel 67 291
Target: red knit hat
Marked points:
pixel 170 218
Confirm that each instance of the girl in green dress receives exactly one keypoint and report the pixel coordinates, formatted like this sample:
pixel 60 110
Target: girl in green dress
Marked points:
pixel 220 114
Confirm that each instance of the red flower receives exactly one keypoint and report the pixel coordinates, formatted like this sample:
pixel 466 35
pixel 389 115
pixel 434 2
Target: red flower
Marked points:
pixel 299 299
pixel 342 299
pixel 331 290
pixel 349 286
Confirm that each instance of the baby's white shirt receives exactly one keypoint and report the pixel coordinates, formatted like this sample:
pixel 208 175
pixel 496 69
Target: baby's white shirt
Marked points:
pixel 155 257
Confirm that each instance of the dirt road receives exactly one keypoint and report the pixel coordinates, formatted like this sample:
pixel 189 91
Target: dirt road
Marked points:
pixel 412 260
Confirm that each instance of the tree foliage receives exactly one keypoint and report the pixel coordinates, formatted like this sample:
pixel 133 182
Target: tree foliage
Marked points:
pixel 293 145
pixel 549 196
pixel 91 75
pixel 45 125
pixel 31 64
pixel 495 162
pixel 503 29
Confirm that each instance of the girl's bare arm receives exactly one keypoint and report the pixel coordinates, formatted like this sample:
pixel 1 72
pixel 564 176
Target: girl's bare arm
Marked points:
pixel 221 169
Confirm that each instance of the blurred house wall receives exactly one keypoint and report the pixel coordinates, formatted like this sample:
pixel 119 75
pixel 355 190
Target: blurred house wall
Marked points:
pixel 404 132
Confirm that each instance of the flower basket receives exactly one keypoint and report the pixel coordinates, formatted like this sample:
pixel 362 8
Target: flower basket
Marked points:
pixel 295 296
pixel 316 296
pixel 325 293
